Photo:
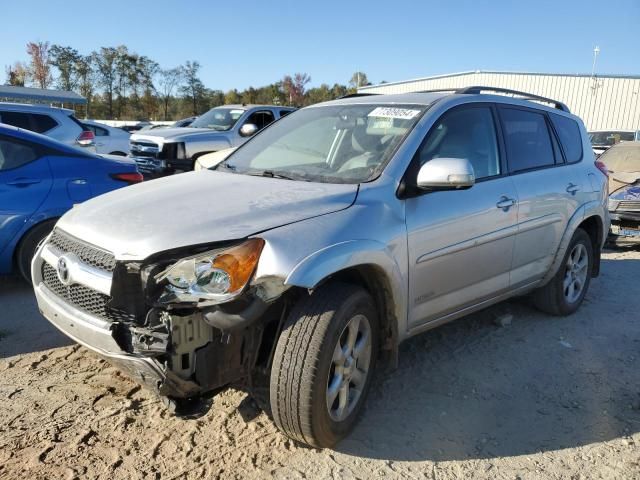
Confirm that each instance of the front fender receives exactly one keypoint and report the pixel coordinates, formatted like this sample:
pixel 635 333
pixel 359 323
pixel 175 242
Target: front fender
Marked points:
pixel 313 269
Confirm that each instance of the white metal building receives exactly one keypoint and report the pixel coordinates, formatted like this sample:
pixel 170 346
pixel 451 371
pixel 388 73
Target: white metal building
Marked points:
pixel 602 101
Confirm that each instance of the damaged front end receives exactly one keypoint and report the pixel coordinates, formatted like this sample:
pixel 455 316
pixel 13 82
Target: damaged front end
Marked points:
pixel 183 323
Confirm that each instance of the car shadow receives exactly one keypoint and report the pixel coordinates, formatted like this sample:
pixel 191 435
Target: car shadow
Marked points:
pixel 22 328
pixel 512 381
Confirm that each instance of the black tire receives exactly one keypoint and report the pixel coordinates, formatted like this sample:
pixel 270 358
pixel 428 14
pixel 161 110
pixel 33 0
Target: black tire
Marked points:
pixel 552 297
pixel 303 362
pixel 28 246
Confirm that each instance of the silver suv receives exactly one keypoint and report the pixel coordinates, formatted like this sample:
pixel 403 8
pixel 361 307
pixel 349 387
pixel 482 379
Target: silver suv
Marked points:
pixel 170 150
pixel 57 123
pixel 325 241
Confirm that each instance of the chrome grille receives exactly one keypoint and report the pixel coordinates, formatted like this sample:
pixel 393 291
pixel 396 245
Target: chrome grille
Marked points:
pixel 148 165
pixel 87 253
pixel 629 205
pixel 143 149
pixel 83 298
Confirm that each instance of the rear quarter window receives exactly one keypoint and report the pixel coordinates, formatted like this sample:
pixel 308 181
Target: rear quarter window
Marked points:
pixel 570 138
pixel 42 123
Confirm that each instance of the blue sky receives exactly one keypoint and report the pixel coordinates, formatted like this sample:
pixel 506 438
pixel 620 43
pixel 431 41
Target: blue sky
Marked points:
pixel 253 43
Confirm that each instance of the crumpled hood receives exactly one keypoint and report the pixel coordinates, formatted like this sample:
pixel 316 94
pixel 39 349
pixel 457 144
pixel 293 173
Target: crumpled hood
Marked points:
pixel 161 135
pixel 198 207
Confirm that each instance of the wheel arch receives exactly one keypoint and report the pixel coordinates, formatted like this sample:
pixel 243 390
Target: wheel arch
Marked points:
pixel 593 225
pixel 18 243
pixel 367 264
pixel 589 217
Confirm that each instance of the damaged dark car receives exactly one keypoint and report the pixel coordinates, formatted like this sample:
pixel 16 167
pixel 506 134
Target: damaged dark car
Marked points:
pixel 623 163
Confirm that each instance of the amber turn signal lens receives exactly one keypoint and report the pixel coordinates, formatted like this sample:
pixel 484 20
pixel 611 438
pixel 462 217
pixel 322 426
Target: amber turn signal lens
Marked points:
pixel 240 262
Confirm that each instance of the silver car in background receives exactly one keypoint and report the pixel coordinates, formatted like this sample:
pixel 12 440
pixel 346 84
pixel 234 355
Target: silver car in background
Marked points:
pixel 169 150
pixel 58 123
pixel 109 140
pixel 325 241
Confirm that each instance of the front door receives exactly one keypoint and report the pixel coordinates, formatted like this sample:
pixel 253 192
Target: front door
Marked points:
pixel 461 242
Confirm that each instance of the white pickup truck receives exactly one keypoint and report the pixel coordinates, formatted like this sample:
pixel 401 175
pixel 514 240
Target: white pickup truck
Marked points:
pixel 169 150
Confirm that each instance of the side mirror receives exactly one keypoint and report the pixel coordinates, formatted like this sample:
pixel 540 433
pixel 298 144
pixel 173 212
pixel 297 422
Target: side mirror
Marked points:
pixel 446 174
pixel 248 129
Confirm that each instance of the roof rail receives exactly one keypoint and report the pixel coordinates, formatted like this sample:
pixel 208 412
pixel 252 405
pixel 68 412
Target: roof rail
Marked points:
pixel 527 96
pixel 438 90
pixel 353 95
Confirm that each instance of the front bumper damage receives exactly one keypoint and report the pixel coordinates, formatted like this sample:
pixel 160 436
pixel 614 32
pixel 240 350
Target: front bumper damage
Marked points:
pixel 625 227
pixel 176 352
pixel 98 335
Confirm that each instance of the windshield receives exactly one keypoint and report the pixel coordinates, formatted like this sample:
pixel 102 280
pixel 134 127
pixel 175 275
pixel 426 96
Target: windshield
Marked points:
pixel 329 144
pixel 610 138
pixel 219 118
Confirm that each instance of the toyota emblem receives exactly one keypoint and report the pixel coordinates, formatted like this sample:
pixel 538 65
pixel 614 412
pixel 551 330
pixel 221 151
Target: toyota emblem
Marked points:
pixel 63 271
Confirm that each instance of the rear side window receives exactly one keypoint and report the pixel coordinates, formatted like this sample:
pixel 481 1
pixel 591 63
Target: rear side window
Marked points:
pixel 97 131
pixel 42 123
pixel 14 154
pixel 36 122
pixel 570 138
pixel 527 139
pixel 17 119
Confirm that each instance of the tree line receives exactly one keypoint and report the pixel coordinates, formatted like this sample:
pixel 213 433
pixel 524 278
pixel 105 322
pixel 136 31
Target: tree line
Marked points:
pixel 121 84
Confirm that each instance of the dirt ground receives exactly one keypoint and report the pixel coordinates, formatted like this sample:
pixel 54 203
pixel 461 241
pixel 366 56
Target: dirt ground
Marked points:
pixel 525 397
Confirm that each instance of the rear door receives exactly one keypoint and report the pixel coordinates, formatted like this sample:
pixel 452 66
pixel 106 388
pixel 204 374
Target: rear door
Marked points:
pixel 25 182
pixel 548 189
pixel 461 241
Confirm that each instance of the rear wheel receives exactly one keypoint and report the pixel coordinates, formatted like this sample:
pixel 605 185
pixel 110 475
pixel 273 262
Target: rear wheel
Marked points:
pixel 565 292
pixel 323 364
pixel 28 246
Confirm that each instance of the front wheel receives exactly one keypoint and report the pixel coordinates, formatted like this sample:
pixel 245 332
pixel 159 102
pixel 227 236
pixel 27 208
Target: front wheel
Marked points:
pixel 566 290
pixel 323 364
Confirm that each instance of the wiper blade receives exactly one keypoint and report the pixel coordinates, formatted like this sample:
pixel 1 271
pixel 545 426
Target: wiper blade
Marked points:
pixel 270 174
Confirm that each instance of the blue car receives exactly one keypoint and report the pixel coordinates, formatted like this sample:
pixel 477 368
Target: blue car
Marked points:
pixel 40 179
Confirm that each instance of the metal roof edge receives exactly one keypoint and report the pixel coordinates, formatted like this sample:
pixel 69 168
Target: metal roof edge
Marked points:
pixel 497 72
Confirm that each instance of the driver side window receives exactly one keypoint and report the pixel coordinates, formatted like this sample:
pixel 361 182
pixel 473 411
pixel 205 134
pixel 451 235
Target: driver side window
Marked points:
pixel 260 119
pixel 465 133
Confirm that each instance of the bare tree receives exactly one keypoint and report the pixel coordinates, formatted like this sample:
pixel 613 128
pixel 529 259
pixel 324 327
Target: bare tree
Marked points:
pixel 17 74
pixel 358 79
pixel 193 89
pixel 168 81
pixel 295 87
pixel 40 68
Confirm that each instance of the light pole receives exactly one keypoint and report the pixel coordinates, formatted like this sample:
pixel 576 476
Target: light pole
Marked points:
pixel 594 87
pixel 596 51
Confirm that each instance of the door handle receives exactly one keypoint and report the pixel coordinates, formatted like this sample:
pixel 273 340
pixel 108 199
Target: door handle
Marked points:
pixel 572 188
pixel 23 181
pixel 505 203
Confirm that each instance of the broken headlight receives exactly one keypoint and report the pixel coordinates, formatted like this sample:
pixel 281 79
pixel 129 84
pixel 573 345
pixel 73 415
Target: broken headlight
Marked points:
pixel 217 276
